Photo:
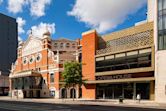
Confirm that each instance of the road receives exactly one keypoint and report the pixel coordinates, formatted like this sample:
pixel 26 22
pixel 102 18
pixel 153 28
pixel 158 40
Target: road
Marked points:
pixel 27 106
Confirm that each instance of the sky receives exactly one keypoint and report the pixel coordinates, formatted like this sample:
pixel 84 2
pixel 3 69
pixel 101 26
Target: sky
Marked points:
pixel 70 18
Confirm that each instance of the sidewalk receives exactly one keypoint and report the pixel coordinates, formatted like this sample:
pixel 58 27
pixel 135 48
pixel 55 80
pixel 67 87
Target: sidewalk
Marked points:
pixel 126 103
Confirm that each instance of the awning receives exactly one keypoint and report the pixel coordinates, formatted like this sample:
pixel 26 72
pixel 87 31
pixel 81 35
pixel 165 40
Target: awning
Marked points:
pixel 121 80
pixel 25 74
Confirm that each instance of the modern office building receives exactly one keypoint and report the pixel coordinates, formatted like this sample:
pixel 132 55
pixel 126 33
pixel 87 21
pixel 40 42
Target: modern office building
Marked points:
pixel 160 49
pixel 8 43
pixel 119 64
pixel 128 62
pixel 8 49
pixel 37 70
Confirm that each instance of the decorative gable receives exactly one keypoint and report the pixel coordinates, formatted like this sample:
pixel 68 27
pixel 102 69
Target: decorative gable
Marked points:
pixel 31 46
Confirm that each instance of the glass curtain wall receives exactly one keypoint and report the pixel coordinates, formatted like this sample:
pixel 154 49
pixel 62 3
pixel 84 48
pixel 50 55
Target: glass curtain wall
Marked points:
pixel 125 90
pixel 161 24
pixel 127 62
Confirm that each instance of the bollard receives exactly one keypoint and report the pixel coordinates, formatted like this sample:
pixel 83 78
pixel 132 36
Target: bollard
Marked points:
pixel 120 99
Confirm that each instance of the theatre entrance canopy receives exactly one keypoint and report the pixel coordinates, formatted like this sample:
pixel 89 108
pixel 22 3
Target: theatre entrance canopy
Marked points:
pixel 26 80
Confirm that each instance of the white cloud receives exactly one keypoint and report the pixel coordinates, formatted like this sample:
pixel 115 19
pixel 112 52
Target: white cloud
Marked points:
pixel 104 15
pixel 1 1
pixel 16 6
pixel 41 28
pixel 19 39
pixel 36 7
pixel 21 22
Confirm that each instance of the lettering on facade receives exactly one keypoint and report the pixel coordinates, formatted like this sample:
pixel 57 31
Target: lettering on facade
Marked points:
pixel 122 76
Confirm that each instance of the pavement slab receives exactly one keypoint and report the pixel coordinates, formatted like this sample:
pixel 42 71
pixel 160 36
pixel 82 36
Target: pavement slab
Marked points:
pixel 66 104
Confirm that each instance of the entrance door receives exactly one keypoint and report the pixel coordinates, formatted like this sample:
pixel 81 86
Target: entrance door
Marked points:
pixel 128 91
pixel 100 93
pixel 64 93
pixel 38 93
pixel 117 91
pixel 31 94
pixel 80 92
pixel 72 93
pixel 143 89
pixel 25 94
pixel 109 92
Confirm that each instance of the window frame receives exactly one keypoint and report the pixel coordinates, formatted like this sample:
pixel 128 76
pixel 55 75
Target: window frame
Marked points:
pixel 162 26
pixel 52 77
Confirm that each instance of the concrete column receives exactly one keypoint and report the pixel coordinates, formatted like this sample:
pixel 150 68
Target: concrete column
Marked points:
pixel 113 93
pixel 103 93
pixel 77 92
pixel 77 56
pixel 57 94
pixel 68 92
pixel 10 87
pixel 134 91
pixel 58 58
pixel 151 90
pixel 122 90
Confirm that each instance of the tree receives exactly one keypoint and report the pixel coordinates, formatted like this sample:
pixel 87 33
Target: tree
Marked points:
pixel 72 75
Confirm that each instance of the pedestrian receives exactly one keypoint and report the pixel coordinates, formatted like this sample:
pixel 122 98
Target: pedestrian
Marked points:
pixel 139 97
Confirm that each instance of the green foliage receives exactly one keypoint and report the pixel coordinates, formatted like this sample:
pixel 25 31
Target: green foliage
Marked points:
pixel 72 74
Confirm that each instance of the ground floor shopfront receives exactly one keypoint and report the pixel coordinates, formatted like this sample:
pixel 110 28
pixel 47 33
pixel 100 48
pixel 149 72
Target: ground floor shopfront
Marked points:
pixel 126 90
pixel 4 91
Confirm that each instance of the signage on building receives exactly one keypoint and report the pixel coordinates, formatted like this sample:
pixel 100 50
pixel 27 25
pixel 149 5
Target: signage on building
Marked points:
pixel 125 76
pixel 122 76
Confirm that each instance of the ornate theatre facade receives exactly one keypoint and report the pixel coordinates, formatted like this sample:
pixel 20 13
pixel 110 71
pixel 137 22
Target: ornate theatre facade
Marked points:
pixel 37 70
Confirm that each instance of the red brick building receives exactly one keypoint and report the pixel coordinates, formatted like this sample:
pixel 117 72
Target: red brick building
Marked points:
pixel 37 70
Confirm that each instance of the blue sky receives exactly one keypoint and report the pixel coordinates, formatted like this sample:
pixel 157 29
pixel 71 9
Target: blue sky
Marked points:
pixel 72 17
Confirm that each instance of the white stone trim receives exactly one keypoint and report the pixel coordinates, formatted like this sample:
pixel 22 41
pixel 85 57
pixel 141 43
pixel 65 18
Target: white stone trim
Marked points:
pixel 119 55
pixel 99 58
pixel 25 58
pixel 109 57
pixel 40 55
pixel 132 53
pixel 88 32
pixel 145 50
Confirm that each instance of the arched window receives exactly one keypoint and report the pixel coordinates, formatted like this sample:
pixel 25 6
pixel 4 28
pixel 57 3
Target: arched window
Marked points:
pixel 73 45
pixel 61 45
pixel 63 93
pixel 31 60
pixel 55 45
pixel 38 57
pixel 25 60
pixel 72 93
pixel 67 45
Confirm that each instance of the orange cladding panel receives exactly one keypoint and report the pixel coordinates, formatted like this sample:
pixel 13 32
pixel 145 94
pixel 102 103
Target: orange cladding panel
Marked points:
pixel 89 47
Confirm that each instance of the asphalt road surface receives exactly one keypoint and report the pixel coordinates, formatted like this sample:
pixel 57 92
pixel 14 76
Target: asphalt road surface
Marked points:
pixel 27 106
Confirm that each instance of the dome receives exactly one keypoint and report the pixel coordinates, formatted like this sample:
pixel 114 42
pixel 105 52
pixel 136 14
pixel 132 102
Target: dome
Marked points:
pixel 47 33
